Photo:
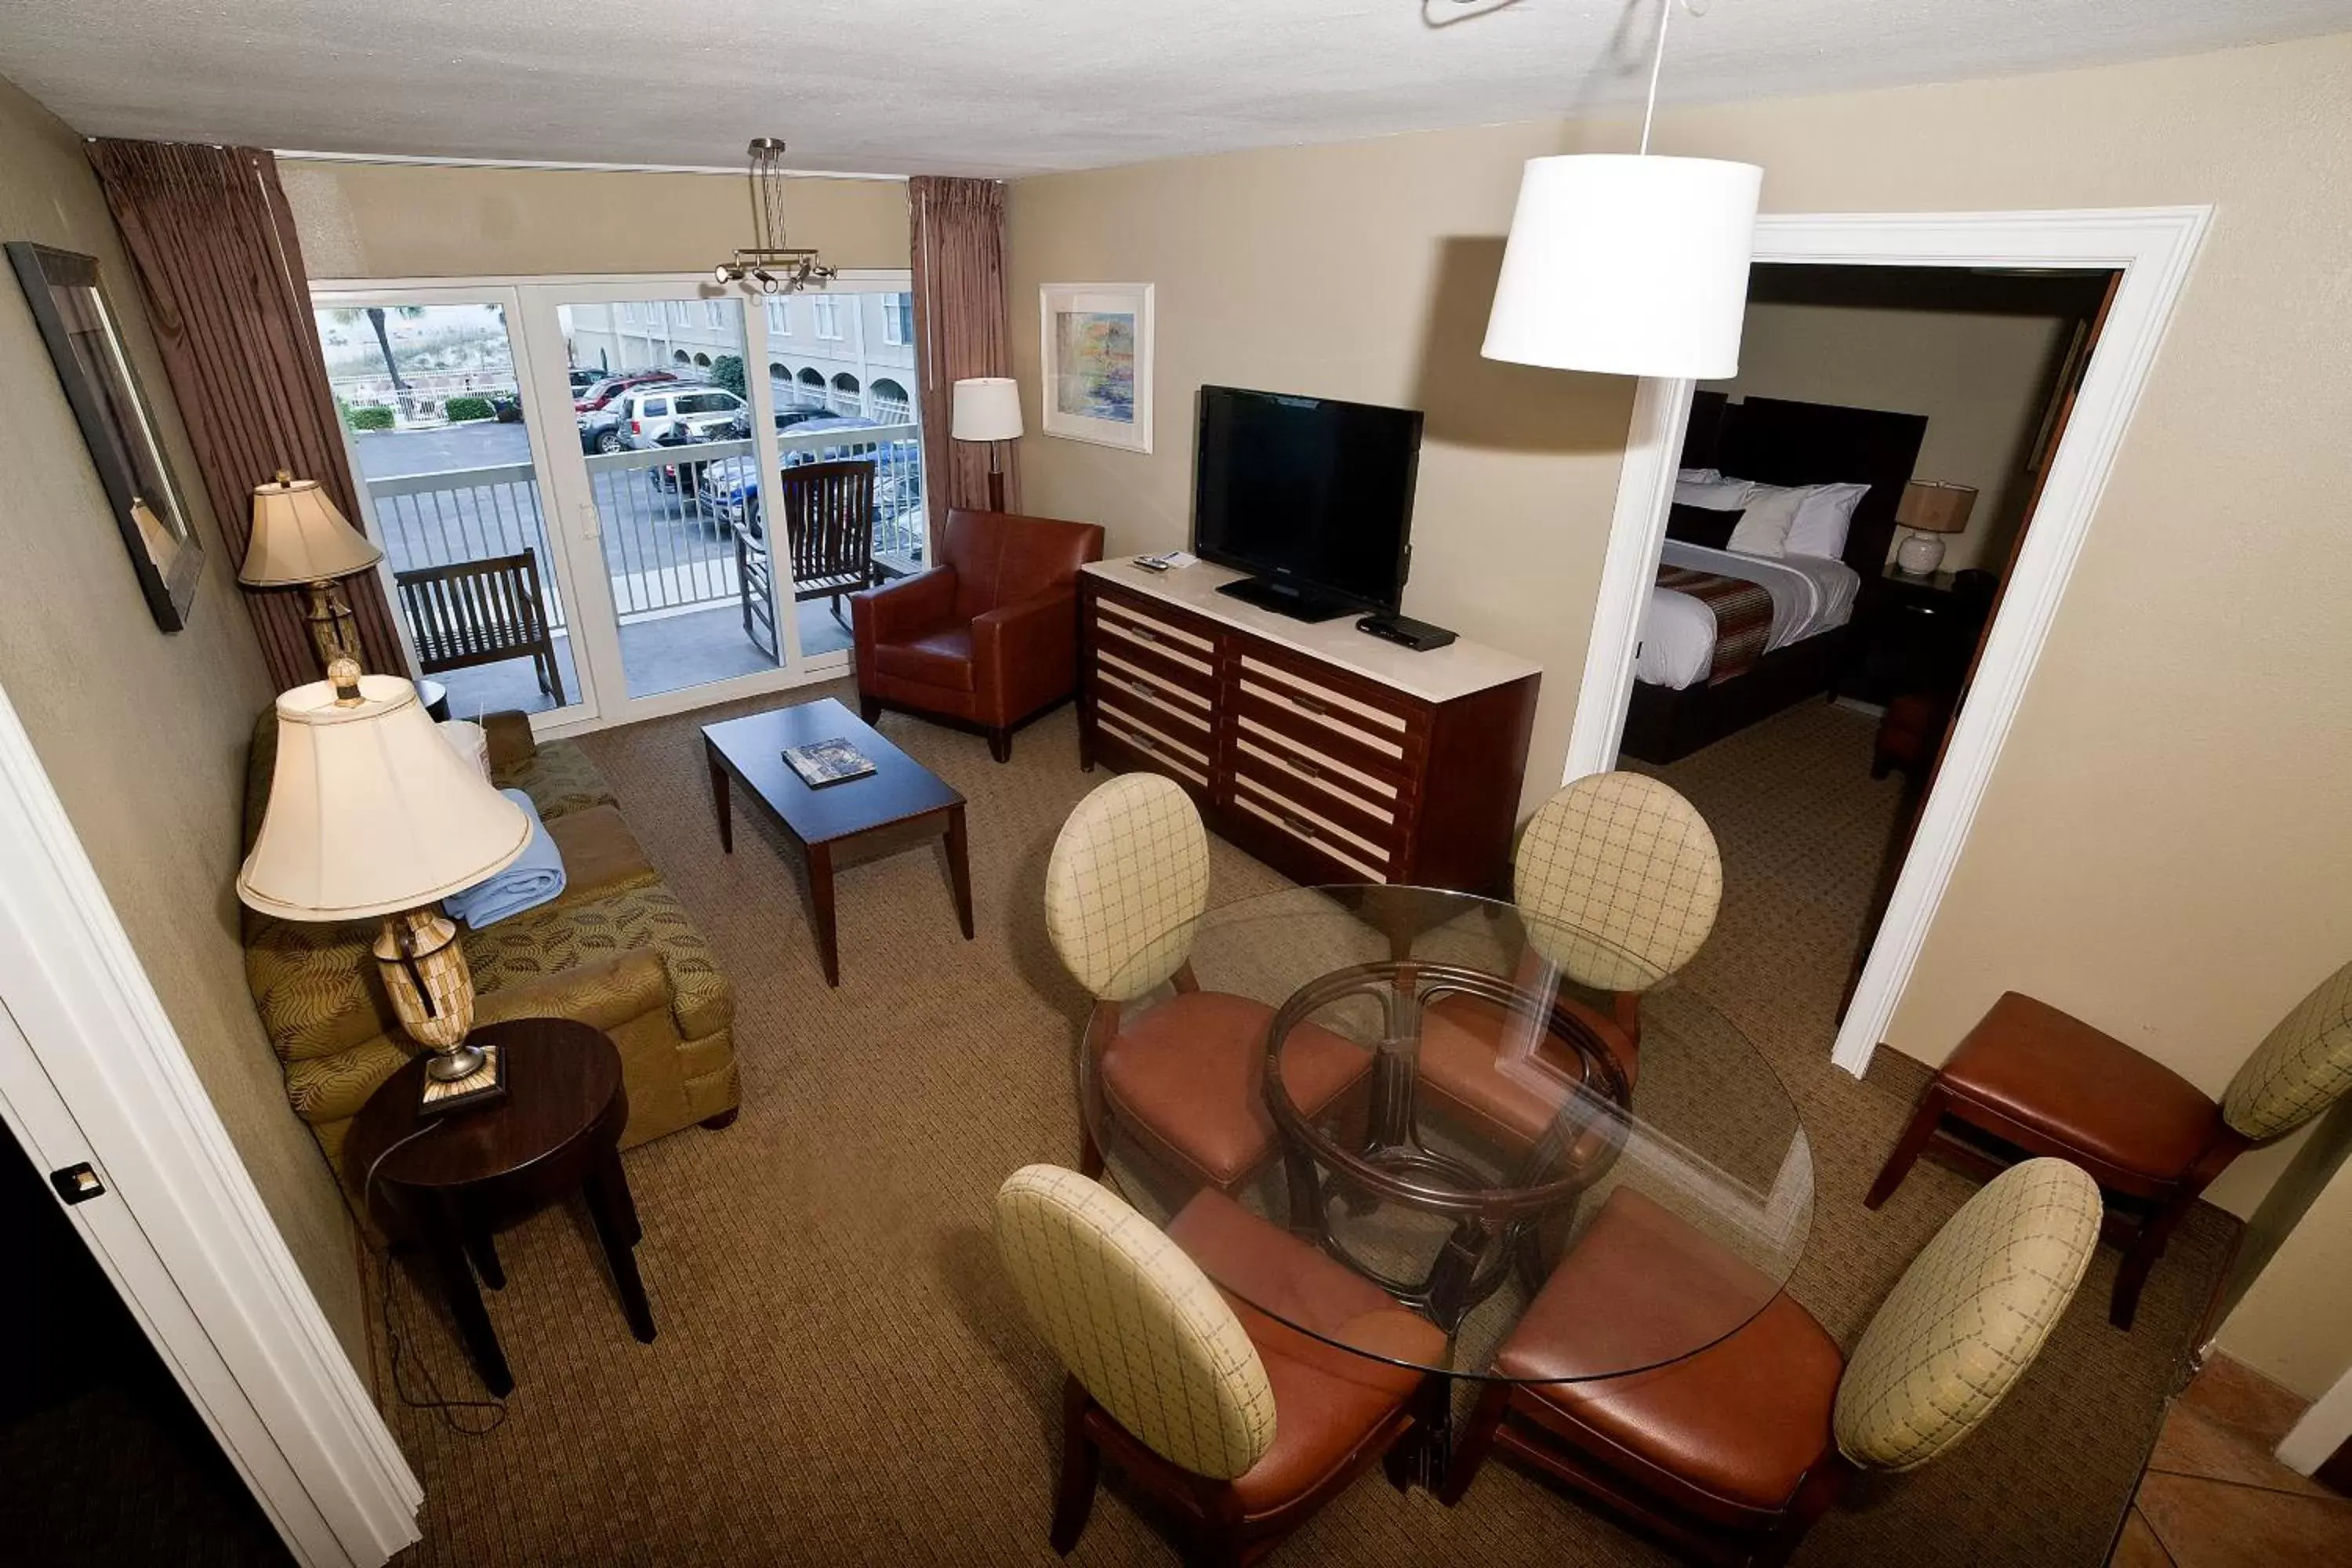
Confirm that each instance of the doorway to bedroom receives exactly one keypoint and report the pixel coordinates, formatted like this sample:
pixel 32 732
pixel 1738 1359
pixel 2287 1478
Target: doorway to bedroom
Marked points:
pixel 1846 515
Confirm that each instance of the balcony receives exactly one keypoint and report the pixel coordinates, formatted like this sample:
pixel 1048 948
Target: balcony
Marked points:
pixel 670 558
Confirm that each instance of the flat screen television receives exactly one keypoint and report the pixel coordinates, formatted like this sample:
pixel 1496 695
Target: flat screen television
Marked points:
pixel 1311 495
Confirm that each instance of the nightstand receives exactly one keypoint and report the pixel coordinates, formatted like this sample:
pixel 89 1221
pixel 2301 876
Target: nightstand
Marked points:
pixel 1912 636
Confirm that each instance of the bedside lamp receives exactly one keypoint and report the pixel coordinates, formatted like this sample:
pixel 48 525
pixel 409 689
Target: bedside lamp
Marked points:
pixel 1930 509
pixel 987 408
pixel 299 538
pixel 373 813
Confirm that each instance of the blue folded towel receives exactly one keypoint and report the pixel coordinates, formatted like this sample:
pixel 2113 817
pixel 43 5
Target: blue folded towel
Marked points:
pixel 534 879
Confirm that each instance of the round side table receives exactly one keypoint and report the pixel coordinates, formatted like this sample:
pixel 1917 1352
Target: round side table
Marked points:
pixel 557 1131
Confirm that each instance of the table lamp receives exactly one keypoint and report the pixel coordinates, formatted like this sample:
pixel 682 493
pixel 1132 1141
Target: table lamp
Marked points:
pixel 1930 509
pixel 299 538
pixel 987 408
pixel 374 815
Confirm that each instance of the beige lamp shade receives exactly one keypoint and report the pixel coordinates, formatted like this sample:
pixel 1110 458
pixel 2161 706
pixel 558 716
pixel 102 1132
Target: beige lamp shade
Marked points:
pixel 299 536
pixel 371 811
pixel 987 409
pixel 1932 508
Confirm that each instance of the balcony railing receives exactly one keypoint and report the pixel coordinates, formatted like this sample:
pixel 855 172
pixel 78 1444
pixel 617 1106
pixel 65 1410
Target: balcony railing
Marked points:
pixel 665 548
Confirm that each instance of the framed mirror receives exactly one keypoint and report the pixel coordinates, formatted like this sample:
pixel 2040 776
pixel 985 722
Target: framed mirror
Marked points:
pixel 85 341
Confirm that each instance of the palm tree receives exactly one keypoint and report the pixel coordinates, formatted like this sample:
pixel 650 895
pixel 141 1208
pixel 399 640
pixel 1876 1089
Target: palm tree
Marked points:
pixel 374 314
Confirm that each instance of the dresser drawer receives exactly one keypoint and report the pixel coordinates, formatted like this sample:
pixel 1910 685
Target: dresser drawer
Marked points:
pixel 1131 678
pixel 1341 859
pixel 1173 748
pixel 1158 639
pixel 1369 811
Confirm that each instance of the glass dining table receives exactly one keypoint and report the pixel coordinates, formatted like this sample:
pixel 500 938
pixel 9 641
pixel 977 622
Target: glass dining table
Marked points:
pixel 1450 1091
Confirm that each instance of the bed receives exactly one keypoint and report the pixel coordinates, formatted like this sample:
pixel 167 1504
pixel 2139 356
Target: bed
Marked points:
pixel 1675 708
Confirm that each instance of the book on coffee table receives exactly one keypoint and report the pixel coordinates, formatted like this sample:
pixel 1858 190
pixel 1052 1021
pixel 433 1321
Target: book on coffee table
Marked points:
pixel 832 761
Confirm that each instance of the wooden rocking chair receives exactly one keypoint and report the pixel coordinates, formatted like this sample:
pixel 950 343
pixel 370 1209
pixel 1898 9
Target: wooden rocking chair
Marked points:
pixel 480 611
pixel 828 510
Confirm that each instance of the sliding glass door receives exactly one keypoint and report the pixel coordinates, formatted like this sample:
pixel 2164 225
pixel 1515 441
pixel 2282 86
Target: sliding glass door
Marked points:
pixel 648 445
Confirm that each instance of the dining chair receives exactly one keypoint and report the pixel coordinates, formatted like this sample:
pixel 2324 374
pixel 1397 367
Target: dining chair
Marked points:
pixel 1733 1453
pixel 1619 877
pixel 2046 1082
pixel 1128 876
pixel 1242 1424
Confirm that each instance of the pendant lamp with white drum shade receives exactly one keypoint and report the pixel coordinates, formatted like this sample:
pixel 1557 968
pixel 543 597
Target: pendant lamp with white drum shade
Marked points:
pixel 1628 265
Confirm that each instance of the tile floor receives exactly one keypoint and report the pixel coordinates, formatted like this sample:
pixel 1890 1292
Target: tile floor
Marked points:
pixel 2213 1497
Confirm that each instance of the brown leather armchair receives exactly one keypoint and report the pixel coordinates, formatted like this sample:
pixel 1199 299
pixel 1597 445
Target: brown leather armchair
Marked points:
pixel 990 637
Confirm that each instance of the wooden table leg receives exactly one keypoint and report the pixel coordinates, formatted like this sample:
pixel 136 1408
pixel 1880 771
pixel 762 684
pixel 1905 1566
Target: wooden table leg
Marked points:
pixel 721 800
pixel 960 868
pixel 828 942
pixel 444 1243
pixel 482 1252
pixel 610 1206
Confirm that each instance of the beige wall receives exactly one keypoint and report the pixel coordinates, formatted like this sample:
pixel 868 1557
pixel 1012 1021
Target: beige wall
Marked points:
pixel 143 734
pixel 2163 847
pixel 430 220
pixel 1980 379
pixel 2297 1251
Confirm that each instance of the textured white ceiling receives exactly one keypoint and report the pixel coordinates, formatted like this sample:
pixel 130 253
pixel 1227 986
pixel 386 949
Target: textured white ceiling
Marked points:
pixel 1002 87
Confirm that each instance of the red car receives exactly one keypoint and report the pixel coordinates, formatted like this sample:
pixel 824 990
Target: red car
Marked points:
pixel 612 386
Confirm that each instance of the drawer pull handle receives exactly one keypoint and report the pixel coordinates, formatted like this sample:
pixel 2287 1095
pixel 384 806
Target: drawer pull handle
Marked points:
pixel 1308 705
pixel 1304 770
pixel 1298 825
pixel 1141 742
pixel 1141 634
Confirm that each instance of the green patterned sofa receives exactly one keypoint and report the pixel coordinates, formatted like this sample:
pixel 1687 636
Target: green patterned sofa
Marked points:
pixel 616 951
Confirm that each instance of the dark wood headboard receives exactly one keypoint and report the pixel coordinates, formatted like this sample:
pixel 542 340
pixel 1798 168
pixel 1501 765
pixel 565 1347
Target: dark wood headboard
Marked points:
pixel 1777 441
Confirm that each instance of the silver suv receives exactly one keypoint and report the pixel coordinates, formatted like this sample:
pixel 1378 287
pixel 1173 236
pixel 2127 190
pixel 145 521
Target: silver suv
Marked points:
pixel 672 415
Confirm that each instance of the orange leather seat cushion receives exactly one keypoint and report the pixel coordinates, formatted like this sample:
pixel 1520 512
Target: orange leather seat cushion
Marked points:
pixel 1329 1401
pixel 935 659
pixel 1191 1073
pixel 1726 1432
pixel 2081 1087
pixel 1474 1059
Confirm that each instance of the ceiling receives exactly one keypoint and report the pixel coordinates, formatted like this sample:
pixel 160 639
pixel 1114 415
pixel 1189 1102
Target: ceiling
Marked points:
pixel 1002 86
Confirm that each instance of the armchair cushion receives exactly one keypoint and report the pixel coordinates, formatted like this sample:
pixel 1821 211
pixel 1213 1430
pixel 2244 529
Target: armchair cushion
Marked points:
pixel 941 658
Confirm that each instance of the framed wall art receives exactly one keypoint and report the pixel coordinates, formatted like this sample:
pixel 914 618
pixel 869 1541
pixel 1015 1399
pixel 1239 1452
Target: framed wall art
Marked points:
pixel 1096 348
pixel 85 342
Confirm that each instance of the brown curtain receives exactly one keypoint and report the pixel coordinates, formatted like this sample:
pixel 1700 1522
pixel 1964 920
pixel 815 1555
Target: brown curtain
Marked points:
pixel 209 233
pixel 960 330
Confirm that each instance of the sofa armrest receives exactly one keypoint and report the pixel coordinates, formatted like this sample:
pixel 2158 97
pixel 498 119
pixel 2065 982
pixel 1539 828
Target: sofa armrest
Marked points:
pixel 903 609
pixel 510 737
pixel 1027 653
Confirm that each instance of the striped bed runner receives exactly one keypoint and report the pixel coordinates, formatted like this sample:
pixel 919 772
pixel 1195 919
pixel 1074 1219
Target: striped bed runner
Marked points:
pixel 1743 616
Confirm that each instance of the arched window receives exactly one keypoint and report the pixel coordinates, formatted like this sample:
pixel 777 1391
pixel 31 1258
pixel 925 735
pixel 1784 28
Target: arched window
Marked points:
pixel 890 404
pixel 679 356
pixel 812 388
pixel 779 372
pixel 702 362
pixel 845 399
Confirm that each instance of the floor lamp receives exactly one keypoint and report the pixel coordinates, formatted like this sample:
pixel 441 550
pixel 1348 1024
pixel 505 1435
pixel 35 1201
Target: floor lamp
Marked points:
pixel 299 539
pixel 987 408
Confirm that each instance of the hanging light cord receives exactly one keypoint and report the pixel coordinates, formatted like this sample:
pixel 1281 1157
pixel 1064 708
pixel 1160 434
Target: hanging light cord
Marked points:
pixel 1658 62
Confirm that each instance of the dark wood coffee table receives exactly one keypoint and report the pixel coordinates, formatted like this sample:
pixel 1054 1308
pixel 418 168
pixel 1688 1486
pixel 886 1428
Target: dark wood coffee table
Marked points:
pixel 556 1132
pixel 899 792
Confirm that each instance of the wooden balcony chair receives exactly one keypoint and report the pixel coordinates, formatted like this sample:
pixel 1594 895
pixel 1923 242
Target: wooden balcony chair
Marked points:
pixel 480 611
pixel 2044 1081
pixel 1731 1454
pixel 828 512
pixel 1242 1424
pixel 1128 876
pixel 1619 857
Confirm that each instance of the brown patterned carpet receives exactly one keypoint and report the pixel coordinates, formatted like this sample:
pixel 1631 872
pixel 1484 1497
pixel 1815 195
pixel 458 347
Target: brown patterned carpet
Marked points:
pixel 842 1377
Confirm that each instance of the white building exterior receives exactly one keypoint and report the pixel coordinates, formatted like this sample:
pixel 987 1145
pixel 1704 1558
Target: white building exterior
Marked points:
pixel 853 353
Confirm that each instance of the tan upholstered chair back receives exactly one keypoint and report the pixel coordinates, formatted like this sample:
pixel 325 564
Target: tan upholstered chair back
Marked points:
pixel 1128 876
pixel 1623 857
pixel 2302 1069
pixel 1969 1316
pixel 1135 1320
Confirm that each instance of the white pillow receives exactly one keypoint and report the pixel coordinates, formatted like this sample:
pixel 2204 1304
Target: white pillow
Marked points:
pixel 1697 475
pixel 1822 519
pixel 1763 527
pixel 1718 495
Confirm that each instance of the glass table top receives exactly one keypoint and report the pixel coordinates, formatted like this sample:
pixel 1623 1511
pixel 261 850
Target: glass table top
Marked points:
pixel 1486 1119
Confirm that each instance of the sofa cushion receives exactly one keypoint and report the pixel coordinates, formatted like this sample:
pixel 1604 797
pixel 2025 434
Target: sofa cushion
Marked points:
pixel 558 937
pixel 601 855
pixel 559 778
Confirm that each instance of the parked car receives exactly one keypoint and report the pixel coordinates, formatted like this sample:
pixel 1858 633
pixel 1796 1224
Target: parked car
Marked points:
pixel 600 432
pixel 729 487
pixel 582 380
pixel 602 393
pixel 505 408
pixel 701 413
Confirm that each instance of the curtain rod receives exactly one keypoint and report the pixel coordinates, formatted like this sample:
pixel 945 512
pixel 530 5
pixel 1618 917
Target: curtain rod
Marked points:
pixel 736 171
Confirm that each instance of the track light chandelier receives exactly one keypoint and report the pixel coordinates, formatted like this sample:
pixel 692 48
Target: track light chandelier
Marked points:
pixel 771 265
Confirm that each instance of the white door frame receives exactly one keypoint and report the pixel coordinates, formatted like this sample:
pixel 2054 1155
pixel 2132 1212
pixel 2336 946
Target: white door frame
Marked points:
pixel 2154 247
pixel 91 1070
pixel 2323 1428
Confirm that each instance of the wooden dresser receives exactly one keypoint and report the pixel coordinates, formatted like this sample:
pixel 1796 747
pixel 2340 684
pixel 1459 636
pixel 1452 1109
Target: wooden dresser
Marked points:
pixel 1328 753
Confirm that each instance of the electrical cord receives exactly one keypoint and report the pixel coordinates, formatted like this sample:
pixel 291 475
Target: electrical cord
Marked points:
pixel 442 1405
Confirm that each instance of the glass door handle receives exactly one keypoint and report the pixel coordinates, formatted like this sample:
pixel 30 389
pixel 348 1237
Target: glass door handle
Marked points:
pixel 591 522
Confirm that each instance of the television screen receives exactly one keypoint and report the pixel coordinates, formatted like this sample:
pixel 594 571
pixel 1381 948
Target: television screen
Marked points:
pixel 1312 493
